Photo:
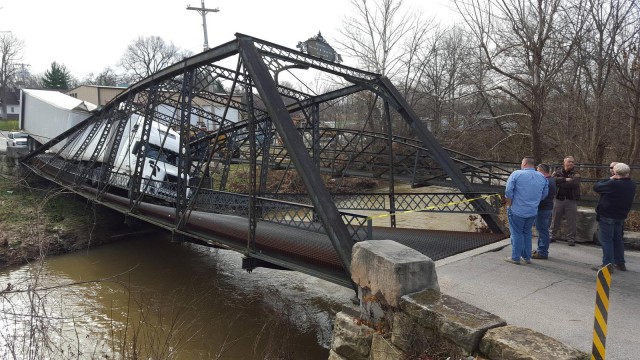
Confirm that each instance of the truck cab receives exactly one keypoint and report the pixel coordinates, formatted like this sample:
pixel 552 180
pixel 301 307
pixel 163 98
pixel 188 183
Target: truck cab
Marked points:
pixel 160 168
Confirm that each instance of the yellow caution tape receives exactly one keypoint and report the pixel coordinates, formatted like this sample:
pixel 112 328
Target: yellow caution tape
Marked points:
pixel 431 207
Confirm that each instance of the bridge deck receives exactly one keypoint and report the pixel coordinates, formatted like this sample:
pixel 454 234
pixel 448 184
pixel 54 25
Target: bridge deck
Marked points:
pixel 295 248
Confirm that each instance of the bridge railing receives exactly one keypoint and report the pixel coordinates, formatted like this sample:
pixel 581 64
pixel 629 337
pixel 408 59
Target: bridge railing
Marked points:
pixel 292 214
pixel 457 202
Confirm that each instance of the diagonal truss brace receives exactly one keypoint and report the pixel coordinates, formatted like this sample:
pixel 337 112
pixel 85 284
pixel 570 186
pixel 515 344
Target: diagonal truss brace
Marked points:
pixel 320 197
pixel 437 151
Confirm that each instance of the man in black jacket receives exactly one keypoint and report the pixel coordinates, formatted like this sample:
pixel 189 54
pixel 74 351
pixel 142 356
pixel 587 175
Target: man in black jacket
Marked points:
pixel 543 218
pixel 566 201
pixel 616 198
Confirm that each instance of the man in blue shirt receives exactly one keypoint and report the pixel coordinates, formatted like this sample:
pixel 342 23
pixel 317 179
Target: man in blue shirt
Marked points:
pixel 524 191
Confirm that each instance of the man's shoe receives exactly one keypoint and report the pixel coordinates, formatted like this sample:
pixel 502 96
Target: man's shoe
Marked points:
pixel 621 267
pixel 536 255
pixel 526 261
pixel 597 268
pixel 572 243
pixel 511 261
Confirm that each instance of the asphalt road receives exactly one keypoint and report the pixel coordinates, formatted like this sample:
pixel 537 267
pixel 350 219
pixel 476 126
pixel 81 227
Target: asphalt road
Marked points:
pixel 555 297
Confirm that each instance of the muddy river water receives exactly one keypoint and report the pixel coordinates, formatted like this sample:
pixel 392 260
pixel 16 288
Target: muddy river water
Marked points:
pixel 155 299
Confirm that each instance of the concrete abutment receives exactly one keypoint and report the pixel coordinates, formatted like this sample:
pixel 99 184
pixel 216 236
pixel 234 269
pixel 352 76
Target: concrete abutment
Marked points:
pixel 403 314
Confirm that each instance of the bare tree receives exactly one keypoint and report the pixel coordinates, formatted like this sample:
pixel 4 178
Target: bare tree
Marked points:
pixel 10 52
pixel 445 61
pixel 147 55
pixel 376 34
pixel 107 77
pixel 385 37
pixel 628 75
pixel 595 60
pixel 525 44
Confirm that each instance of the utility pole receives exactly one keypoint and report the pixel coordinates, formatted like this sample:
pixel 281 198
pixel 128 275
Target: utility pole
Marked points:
pixel 22 73
pixel 203 11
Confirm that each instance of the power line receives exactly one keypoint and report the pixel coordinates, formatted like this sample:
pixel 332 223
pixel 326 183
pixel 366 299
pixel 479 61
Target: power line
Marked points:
pixel 203 11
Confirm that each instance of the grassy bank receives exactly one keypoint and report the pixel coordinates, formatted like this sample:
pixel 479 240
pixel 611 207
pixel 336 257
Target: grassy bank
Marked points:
pixel 7 125
pixel 38 218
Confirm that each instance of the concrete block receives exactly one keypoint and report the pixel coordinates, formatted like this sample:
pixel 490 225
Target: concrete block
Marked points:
pixel 454 320
pixel 516 343
pixel 383 349
pixel 586 224
pixel 351 340
pixel 391 270
pixel 631 240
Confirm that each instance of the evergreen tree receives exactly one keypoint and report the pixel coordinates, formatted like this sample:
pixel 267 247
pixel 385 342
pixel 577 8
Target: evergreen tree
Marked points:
pixel 218 88
pixel 57 77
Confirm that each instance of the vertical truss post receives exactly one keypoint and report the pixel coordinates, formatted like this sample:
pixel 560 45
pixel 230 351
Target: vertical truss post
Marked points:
pixel 414 175
pixel 136 178
pixel 265 147
pixel 253 164
pixel 320 197
pixel 440 155
pixel 315 132
pixel 230 139
pixel 184 155
pixel 392 191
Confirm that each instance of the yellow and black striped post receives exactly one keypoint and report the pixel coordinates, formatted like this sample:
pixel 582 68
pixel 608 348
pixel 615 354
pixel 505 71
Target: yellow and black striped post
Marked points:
pixel 601 312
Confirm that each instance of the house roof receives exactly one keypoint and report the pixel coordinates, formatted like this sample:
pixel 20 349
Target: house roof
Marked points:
pixel 61 100
pixel 98 86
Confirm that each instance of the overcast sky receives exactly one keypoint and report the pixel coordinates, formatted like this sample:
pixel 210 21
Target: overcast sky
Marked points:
pixel 89 35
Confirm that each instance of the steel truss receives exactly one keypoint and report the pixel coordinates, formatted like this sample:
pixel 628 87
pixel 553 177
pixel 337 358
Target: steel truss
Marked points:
pixel 274 131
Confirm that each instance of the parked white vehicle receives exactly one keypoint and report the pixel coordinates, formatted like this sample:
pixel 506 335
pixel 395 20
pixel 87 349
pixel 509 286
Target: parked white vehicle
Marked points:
pixel 17 139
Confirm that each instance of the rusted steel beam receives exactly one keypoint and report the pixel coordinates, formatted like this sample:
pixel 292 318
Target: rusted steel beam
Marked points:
pixel 320 196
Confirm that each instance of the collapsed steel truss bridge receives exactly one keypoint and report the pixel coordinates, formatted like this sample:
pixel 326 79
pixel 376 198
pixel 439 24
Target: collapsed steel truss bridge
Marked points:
pixel 267 134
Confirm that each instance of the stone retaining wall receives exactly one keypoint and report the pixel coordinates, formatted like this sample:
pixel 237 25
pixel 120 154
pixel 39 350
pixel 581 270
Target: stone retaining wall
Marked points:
pixel 403 315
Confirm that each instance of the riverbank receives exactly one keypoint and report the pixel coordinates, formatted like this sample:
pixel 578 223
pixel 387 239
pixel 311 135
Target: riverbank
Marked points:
pixel 38 218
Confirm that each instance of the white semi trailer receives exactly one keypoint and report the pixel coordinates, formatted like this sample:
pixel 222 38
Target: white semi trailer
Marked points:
pixel 159 170
pixel 160 167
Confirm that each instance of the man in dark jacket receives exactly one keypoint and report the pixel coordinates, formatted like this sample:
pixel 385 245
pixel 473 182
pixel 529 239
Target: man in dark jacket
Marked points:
pixel 616 198
pixel 566 201
pixel 543 218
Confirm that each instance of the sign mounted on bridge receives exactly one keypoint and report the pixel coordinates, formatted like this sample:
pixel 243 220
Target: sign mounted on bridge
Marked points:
pixel 317 46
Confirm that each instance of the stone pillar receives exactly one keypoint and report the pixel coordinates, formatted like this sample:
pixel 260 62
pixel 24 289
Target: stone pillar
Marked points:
pixel 384 271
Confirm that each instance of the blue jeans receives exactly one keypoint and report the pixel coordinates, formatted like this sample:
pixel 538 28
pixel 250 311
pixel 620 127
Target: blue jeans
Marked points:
pixel 520 228
pixel 543 221
pixel 611 240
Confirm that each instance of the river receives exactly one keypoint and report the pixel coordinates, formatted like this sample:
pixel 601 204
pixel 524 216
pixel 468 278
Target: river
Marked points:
pixel 155 299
